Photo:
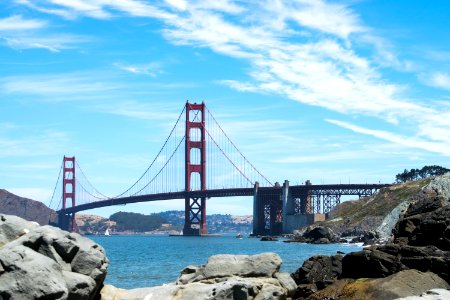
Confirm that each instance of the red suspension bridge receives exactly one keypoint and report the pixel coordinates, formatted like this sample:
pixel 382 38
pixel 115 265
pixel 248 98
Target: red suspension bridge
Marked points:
pixel 199 161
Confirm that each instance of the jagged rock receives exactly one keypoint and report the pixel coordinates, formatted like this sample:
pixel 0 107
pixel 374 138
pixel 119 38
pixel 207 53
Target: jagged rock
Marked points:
pixel 429 226
pixel 317 272
pixel 48 263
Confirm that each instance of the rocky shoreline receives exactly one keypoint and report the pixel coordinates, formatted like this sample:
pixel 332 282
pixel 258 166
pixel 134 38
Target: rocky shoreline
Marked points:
pixel 43 262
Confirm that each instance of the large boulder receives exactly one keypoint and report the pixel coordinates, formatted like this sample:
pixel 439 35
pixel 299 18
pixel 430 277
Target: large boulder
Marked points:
pixel 48 263
pixel 238 277
pixel 318 272
pixel 226 265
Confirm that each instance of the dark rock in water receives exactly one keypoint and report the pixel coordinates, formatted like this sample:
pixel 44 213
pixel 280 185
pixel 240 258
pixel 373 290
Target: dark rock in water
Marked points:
pixel 48 263
pixel 268 239
pixel 317 235
pixel 368 237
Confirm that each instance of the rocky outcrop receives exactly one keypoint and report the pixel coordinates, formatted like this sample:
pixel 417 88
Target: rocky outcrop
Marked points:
pixel 239 277
pixel 28 209
pixel 418 259
pixel 48 263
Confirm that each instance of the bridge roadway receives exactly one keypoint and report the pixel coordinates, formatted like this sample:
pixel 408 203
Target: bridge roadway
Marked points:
pixel 315 190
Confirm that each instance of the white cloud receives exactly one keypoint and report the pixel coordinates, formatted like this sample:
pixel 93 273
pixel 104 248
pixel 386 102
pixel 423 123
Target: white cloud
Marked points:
pixel 441 147
pixel 150 69
pixel 18 23
pixel 53 43
pixel 72 85
pixel 438 79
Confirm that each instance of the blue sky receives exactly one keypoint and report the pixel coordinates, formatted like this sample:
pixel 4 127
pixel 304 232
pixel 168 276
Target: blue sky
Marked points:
pixel 331 91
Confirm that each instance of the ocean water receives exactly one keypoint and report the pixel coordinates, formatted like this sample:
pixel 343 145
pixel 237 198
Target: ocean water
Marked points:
pixel 150 260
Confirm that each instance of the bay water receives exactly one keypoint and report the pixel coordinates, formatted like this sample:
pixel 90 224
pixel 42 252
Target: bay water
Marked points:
pixel 149 260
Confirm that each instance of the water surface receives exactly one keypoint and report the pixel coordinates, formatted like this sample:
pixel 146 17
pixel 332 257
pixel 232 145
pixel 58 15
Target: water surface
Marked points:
pixel 149 260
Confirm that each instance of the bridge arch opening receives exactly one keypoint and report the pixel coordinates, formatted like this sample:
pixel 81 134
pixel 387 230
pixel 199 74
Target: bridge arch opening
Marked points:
pixel 195 156
pixel 195 134
pixel 195 182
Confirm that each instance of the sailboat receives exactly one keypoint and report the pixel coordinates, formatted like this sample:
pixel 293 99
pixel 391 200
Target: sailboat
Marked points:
pixel 107 232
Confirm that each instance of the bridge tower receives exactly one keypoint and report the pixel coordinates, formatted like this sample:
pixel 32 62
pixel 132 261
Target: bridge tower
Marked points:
pixel 67 221
pixel 195 141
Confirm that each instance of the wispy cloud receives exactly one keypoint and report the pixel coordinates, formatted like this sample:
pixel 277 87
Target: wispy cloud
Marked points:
pixel 151 69
pixel 45 143
pixel 53 43
pixel 441 147
pixel 18 23
pixel 438 79
pixel 70 85
pixel 133 109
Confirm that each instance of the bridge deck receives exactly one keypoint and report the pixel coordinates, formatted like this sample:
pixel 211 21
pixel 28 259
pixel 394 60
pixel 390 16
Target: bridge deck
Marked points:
pixel 338 189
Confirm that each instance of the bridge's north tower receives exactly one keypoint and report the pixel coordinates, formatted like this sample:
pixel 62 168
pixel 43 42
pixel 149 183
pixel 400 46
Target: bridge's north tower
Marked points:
pixel 195 170
pixel 67 221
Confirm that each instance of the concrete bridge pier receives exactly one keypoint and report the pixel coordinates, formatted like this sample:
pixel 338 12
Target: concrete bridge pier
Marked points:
pixel 267 211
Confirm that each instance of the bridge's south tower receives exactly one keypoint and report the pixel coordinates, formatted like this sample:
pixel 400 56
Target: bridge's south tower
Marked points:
pixel 195 170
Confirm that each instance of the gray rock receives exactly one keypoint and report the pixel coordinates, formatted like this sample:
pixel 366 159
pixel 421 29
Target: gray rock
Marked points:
pixel 260 265
pixel 191 274
pixel 287 282
pixel 30 275
pixel 48 263
pixel 12 227
pixel 80 287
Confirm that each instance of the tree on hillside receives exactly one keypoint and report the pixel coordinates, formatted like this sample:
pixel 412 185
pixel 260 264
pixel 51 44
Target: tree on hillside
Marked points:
pixel 425 172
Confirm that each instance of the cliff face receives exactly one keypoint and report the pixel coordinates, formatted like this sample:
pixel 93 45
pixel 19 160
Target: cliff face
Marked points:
pixel 28 209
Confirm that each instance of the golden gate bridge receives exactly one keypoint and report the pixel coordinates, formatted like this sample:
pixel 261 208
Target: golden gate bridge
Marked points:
pixel 199 161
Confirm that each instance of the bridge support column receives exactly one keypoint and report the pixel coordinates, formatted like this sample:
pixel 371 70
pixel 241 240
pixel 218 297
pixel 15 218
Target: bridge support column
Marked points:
pixel 267 211
pixel 258 212
pixel 195 141
pixel 67 222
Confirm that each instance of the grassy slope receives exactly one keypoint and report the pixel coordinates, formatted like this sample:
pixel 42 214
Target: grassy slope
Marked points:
pixel 369 212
